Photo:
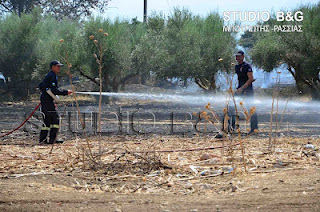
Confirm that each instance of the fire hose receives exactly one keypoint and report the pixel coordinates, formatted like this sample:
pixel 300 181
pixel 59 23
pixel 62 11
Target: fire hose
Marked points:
pixel 1 136
pixel 56 98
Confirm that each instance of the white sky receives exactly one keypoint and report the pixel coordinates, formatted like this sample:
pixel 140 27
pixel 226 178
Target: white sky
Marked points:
pixel 128 9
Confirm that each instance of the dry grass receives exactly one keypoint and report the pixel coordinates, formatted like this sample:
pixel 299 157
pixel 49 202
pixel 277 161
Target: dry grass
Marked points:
pixel 127 158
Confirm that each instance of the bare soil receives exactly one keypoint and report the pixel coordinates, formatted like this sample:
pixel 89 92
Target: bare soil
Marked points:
pixel 129 178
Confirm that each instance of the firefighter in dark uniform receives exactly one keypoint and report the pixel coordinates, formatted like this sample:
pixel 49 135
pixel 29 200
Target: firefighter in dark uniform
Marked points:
pixel 51 119
pixel 245 89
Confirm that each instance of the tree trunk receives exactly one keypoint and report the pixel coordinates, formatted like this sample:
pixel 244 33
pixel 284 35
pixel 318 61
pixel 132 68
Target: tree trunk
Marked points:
pixel 20 89
pixel 306 85
pixel 185 82
pixel 105 83
pixel 124 79
pixel 207 85
pixel 143 79
pixel 315 93
pixel 298 76
pixel 314 86
pixel 299 79
pixel 115 84
pixel 301 86
pixel 213 86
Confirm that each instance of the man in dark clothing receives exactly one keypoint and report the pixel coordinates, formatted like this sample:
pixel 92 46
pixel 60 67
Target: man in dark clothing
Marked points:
pixel 245 80
pixel 49 88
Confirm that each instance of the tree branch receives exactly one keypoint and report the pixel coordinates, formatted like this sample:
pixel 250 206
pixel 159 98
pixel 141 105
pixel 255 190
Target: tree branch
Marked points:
pixel 201 84
pixel 307 82
pixel 88 77
pixel 312 84
pixel 2 4
pixel 290 70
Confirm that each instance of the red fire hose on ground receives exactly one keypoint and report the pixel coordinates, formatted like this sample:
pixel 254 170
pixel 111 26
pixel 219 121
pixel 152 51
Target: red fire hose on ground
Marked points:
pixel 1 136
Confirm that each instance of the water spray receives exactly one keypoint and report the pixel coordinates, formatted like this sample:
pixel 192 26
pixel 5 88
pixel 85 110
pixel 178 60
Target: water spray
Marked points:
pixel 218 100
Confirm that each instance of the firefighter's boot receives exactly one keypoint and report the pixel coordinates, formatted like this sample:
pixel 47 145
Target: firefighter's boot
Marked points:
pixel 53 133
pixel 43 135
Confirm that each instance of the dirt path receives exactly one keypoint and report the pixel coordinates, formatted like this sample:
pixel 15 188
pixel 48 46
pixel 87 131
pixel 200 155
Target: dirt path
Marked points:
pixel 287 190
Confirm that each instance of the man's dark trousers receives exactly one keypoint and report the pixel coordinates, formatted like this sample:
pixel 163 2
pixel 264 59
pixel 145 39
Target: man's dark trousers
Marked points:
pixel 248 96
pixel 51 121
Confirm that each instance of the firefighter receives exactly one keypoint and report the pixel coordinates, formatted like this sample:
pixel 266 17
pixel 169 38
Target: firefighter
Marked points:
pixel 49 88
pixel 245 88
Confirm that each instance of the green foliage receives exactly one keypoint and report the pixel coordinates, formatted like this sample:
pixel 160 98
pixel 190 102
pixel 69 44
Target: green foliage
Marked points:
pixel 18 57
pixel 182 45
pixel 50 48
pixel 268 52
pixel 117 48
pixel 298 50
pixel 185 46
pixel 248 39
pixel 72 9
pixel 216 44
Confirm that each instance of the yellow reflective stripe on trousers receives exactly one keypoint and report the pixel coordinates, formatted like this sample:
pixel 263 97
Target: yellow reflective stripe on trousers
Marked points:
pixel 45 128
pixel 54 126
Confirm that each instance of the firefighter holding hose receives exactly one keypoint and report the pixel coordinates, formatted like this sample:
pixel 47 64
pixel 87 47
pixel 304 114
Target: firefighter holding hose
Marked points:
pixel 49 88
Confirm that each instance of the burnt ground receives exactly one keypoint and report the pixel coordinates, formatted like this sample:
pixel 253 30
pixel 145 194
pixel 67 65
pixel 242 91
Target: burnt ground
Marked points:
pixel 154 117
pixel 129 178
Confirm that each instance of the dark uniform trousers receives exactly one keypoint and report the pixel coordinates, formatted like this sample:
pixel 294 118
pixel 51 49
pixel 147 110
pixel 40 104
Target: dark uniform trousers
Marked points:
pixel 51 122
pixel 247 96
